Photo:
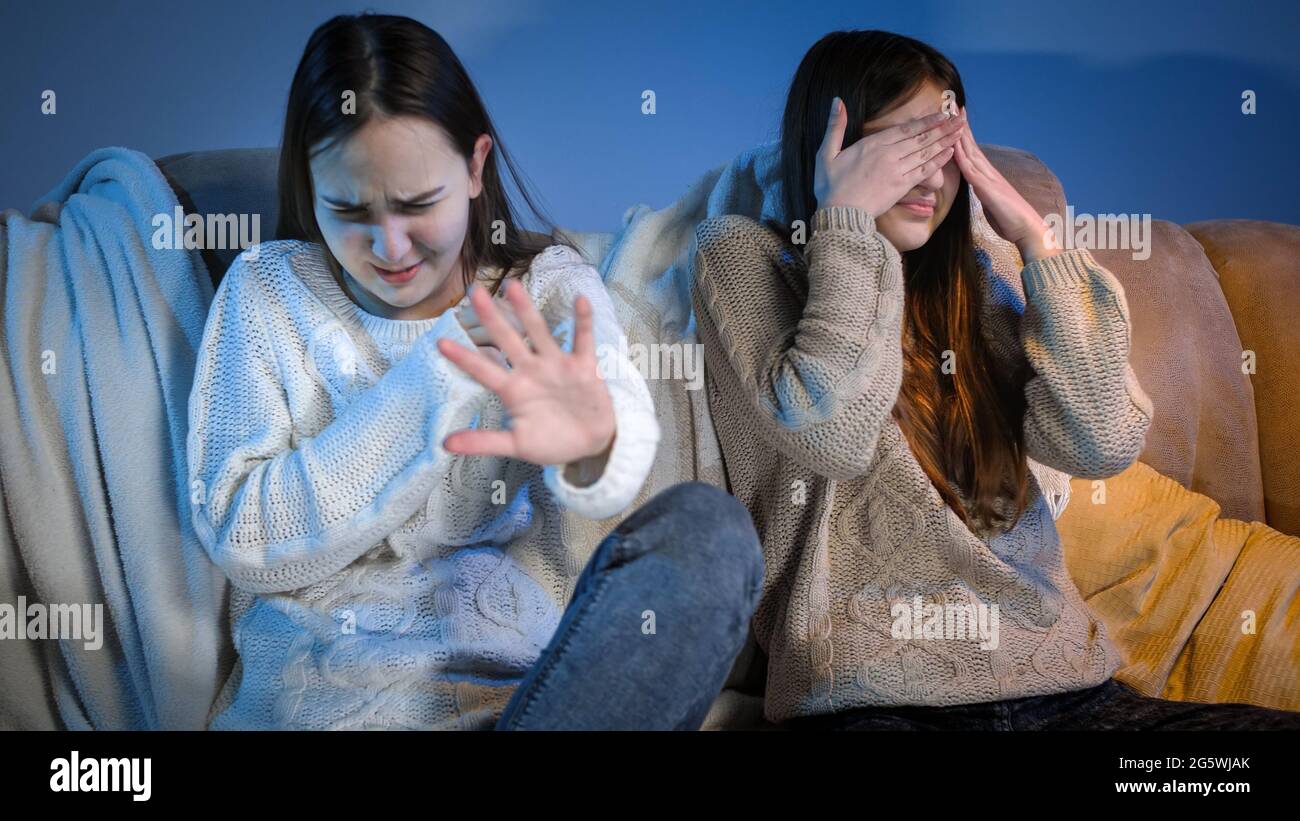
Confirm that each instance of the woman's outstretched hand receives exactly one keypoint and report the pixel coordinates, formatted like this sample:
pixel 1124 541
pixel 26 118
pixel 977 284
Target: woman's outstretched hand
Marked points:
pixel 560 409
pixel 1008 213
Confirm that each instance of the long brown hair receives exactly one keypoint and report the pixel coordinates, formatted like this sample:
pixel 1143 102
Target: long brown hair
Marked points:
pixel 399 66
pixel 966 427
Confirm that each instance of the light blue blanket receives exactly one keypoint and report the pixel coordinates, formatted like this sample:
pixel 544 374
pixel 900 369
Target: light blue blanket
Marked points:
pixel 101 331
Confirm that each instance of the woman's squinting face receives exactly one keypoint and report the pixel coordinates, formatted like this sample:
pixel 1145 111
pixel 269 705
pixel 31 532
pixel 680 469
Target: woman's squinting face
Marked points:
pixel 395 196
pixel 906 228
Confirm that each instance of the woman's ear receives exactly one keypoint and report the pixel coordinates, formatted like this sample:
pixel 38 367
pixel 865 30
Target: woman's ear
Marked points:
pixel 482 147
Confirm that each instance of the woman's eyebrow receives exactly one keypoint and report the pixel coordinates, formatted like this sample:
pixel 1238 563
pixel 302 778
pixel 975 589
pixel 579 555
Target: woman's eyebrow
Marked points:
pixel 408 201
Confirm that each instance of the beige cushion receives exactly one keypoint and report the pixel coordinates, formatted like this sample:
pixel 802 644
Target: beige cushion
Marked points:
pixel 1187 355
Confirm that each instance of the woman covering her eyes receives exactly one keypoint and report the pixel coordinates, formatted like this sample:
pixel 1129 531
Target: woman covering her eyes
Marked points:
pixel 878 418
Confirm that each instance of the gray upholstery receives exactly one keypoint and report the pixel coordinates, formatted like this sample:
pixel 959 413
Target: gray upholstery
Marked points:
pixel 226 181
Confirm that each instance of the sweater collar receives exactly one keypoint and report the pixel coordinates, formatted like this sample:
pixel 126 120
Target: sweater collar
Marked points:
pixel 314 271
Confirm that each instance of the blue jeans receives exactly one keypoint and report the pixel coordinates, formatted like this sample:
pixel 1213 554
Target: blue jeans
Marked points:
pixel 657 619
pixel 1111 705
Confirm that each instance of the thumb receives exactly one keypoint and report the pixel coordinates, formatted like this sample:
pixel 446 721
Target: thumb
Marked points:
pixel 833 140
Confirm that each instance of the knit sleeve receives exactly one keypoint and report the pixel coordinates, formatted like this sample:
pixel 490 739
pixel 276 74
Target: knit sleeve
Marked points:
pixel 1086 414
pixel 637 432
pixel 815 376
pixel 276 511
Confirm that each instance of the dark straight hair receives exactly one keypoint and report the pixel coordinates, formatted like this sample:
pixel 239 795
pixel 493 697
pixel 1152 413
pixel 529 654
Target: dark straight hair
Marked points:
pixel 965 428
pixel 399 66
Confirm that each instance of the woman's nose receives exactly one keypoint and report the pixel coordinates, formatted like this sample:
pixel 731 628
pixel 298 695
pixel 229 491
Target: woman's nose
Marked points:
pixel 391 243
pixel 934 182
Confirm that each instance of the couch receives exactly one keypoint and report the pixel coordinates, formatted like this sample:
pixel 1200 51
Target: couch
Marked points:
pixel 1192 556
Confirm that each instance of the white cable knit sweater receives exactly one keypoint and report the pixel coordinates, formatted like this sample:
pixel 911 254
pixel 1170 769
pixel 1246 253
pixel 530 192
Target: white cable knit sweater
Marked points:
pixel 380 581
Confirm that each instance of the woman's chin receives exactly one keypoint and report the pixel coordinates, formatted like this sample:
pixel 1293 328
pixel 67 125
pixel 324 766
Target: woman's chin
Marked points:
pixel 407 297
pixel 908 239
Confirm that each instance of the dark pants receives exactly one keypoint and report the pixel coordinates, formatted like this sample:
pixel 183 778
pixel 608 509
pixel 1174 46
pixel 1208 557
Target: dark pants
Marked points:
pixel 1109 706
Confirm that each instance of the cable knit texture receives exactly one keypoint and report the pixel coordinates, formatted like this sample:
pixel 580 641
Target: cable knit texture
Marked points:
pixel 380 581
pixel 804 365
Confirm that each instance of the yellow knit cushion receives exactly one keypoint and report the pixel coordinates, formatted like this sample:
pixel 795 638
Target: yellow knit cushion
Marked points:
pixel 1177 586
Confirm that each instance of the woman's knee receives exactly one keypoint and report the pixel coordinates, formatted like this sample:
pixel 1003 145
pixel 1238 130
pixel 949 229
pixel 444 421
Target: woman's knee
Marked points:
pixel 705 526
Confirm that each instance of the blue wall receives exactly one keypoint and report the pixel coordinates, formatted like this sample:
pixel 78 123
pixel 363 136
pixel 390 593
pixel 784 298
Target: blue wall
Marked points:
pixel 1137 110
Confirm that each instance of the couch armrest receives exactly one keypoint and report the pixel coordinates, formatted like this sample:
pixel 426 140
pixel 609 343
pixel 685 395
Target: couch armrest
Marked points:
pixel 1259 271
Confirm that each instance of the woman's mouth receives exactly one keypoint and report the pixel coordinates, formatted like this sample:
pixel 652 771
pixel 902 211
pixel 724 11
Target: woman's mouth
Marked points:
pixel 919 208
pixel 398 277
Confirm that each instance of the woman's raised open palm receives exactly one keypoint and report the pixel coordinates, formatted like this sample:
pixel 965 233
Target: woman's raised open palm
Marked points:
pixel 559 407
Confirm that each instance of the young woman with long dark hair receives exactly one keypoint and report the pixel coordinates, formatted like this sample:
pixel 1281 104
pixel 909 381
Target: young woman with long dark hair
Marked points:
pixel 877 418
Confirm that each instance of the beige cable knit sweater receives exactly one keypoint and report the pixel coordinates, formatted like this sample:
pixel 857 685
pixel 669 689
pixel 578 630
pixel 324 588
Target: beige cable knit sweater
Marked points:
pixel 875 587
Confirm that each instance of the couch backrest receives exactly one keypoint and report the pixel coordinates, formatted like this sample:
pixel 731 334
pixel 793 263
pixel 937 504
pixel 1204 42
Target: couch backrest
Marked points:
pixel 226 181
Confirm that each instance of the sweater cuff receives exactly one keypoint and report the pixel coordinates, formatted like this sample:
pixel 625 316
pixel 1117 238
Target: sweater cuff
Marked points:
pixel 630 460
pixel 458 383
pixel 858 220
pixel 1064 270
pixel 446 327
pixel 844 217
